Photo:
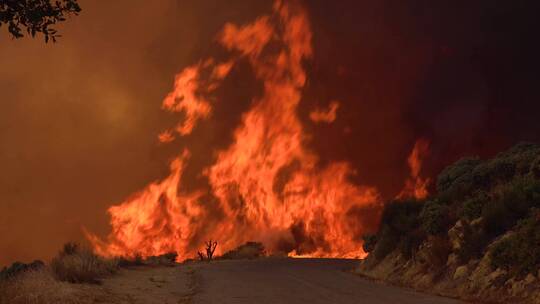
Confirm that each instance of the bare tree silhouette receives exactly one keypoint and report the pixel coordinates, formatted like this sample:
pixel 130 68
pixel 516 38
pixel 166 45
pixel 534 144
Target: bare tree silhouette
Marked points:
pixel 210 249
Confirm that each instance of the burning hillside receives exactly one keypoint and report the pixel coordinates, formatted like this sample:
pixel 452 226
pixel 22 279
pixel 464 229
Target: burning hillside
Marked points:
pixel 267 185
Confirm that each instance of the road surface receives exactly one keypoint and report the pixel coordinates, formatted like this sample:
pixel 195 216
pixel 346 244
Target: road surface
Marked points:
pixel 291 281
pixel 263 281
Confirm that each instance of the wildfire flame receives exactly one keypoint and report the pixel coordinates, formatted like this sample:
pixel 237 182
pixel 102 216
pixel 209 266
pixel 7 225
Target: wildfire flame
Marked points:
pixel 266 186
pixel 415 185
pixel 327 116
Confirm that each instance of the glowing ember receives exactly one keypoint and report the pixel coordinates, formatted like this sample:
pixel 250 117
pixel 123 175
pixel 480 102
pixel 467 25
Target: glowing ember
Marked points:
pixel 266 186
pixel 416 186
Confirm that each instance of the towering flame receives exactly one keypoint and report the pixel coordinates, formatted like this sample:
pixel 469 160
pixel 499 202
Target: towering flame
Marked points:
pixel 266 186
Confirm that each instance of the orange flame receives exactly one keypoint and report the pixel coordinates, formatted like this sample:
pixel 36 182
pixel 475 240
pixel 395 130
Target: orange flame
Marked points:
pixel 154 221
pixel 187 96
pixel 415 185
pixel 327 116
pixel 266 186
pixel 166 137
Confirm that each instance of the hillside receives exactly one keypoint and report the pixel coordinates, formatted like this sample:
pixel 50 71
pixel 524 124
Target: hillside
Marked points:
pixel 477 237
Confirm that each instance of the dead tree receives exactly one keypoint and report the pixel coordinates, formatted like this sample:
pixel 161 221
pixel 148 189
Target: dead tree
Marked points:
pixel 210 248
pixel 201 255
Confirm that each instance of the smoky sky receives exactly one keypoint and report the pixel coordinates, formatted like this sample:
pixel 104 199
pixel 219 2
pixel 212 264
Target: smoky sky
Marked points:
pixel 79 119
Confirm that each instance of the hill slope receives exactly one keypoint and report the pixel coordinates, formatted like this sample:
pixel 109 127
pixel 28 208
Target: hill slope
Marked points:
pixel 478 237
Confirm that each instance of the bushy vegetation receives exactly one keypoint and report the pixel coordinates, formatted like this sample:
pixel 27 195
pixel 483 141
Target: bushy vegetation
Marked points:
pixel 535 169
pixel 167 259
pixel 435 217
pixel 438 251
pixel 400 228
pixel 250 250
pixel 369 242
pixel 124 262
pixel 39 286
pixel 75 264
pixel 510 203
pixel 472 207
pixel 457 180
pixel 488 197
pixel 519 253
pixel 19 268
pixel 37 283
pixel 474 242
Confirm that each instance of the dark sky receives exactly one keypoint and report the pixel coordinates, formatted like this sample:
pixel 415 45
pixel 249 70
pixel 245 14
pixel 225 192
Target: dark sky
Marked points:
pixel 79 119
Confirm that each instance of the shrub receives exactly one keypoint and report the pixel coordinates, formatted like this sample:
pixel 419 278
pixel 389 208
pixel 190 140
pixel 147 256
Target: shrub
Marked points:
pixel 515 162
pixel 70 248
pixel 401 216
pixel 370 240
pixel 250 250
pixel 496 218
pixel 534 170
pixel 456 180
pixel 472 207
pixel 40 287
pixel 137 260
pixel 461 178
pixel 77 265
pixel 435 217
pixel 521 155
pixel 519 253
pixel 493 172
pixel 410 242
pixel 511 203
pixel 388 241
pixel 439 248
pixel 473 245
pixel 18 268
pixel 400 219
pixel 168 259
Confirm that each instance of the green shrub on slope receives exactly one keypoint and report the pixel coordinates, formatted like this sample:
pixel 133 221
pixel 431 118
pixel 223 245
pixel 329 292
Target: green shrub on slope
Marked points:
pixel 511 202
pixel 435 217
pixel 495 194
pixel 456 180
pixel 399 228
pixel 472 207
pixel 520 253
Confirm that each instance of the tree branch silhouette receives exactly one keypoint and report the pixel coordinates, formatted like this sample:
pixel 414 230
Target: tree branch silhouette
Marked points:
pixel 36 16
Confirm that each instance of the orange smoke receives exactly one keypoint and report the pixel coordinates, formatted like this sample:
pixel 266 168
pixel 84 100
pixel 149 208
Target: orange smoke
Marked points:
pixel 327 116
pixel 415 185
pixel 266 186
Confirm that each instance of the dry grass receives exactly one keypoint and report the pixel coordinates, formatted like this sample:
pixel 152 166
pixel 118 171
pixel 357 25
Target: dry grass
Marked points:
pixel 54 284
pixel 168 259
pixel 250 250
pixel 41 287
pixel 80 265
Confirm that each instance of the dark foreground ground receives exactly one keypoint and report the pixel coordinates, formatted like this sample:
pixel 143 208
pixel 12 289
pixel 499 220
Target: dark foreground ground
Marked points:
pixel 263 281
pixel 284 281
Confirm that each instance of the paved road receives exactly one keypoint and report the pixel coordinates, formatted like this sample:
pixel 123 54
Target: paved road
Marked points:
pixel 291 281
